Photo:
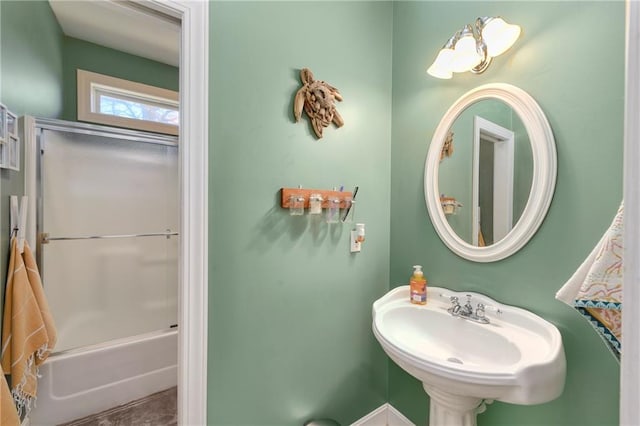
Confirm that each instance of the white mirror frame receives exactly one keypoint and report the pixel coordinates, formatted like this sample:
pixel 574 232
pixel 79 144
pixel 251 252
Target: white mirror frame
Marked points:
pixel 542 185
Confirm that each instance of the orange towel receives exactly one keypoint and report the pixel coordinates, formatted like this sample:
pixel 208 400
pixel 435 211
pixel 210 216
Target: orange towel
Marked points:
pixel 8 413
pixel 28 332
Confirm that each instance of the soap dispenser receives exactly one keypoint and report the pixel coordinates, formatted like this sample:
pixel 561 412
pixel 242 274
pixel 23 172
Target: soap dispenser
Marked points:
pixel 418 286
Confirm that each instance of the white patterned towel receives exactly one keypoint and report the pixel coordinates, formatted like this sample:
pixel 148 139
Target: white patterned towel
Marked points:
pixel 595 289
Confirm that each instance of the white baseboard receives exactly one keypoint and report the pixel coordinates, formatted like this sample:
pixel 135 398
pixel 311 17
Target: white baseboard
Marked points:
pixel 385 415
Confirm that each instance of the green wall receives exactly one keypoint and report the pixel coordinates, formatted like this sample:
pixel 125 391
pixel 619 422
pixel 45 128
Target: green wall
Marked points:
pixel 582 94
pixel 290 307
pixel 30 83
pixel 31 73
pixel 79 54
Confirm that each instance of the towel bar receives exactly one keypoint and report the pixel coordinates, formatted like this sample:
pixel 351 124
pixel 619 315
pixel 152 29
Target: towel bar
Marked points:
pixel 45 238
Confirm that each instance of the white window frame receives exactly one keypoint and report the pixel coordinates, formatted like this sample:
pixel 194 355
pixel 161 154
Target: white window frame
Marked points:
pixel 90 82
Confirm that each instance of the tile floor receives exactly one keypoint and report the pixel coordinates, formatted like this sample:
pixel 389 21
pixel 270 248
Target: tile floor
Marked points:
pixel 159 409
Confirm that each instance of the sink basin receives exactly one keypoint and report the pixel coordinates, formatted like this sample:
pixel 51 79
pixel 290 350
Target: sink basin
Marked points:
pixel 517 357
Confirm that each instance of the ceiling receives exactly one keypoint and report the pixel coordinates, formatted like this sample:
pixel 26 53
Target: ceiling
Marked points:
pixel 121 25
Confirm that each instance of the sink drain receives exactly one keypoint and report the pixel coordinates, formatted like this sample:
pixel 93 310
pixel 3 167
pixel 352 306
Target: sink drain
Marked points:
pixel 455 360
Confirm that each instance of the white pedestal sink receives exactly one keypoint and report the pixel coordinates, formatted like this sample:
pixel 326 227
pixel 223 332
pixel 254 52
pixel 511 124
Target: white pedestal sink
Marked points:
pixel 517 357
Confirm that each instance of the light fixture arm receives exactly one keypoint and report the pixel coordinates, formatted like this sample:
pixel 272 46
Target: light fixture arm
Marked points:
pixel 482 47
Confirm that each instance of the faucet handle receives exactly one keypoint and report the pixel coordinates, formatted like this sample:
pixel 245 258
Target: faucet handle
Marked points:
pixel 480 310
pixel 455 306
pixel 492 308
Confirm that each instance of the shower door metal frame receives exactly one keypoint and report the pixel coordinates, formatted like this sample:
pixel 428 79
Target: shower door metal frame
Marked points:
pixel 42 124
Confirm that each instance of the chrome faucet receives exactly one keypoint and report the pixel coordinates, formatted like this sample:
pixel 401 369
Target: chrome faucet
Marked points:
pixel 467 311
pixel 455 308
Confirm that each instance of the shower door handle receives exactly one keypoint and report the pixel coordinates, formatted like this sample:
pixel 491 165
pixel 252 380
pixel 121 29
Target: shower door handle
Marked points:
pixel 45 238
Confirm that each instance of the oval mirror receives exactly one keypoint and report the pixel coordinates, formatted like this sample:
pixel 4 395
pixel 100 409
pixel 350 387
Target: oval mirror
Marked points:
pixel 490 172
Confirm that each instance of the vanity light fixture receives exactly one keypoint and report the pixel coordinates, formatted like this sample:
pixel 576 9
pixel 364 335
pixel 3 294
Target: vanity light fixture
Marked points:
pixel 471 49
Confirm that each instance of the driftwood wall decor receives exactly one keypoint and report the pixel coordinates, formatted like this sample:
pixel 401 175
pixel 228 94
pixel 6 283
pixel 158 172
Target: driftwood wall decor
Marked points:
pixel 447 147
pixel 317 99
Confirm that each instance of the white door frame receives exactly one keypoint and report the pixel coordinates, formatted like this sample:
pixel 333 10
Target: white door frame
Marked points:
pixel 194 137
pixel 630 368
pixel 503 140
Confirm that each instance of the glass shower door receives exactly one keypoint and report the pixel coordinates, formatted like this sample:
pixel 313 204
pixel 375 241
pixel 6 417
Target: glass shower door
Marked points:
pixel 118 284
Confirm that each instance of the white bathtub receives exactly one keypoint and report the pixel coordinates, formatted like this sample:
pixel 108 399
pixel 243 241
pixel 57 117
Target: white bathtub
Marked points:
pixel 85 381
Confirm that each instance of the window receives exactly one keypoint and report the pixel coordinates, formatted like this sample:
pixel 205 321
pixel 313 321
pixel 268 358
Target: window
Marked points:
pixel 123 103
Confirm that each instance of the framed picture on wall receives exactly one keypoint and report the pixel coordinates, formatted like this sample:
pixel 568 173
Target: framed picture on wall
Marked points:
pixel 9 140
pixel 4 155
pixel 3 123
pixel 13 153
pixel 12 124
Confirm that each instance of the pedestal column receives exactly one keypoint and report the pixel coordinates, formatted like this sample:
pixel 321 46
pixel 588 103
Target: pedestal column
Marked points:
pixel 452 410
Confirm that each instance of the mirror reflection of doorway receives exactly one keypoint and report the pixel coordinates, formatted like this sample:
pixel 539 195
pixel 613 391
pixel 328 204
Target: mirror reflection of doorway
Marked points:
pixel 492 195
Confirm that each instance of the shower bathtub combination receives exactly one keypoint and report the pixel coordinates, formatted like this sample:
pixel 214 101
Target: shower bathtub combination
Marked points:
pixel 87 381
pixel 107 248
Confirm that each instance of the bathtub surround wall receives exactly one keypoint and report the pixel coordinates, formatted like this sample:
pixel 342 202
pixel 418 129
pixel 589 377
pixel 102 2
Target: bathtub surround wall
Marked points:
pixel 290 307
pixel 583 100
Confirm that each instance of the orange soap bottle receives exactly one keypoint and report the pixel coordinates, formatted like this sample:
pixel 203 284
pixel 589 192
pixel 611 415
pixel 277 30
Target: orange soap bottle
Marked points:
pixel 418 286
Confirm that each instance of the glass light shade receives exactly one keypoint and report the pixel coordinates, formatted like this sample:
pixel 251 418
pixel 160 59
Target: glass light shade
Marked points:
pixel 441 67
pixel 466 54
pixel 499 35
